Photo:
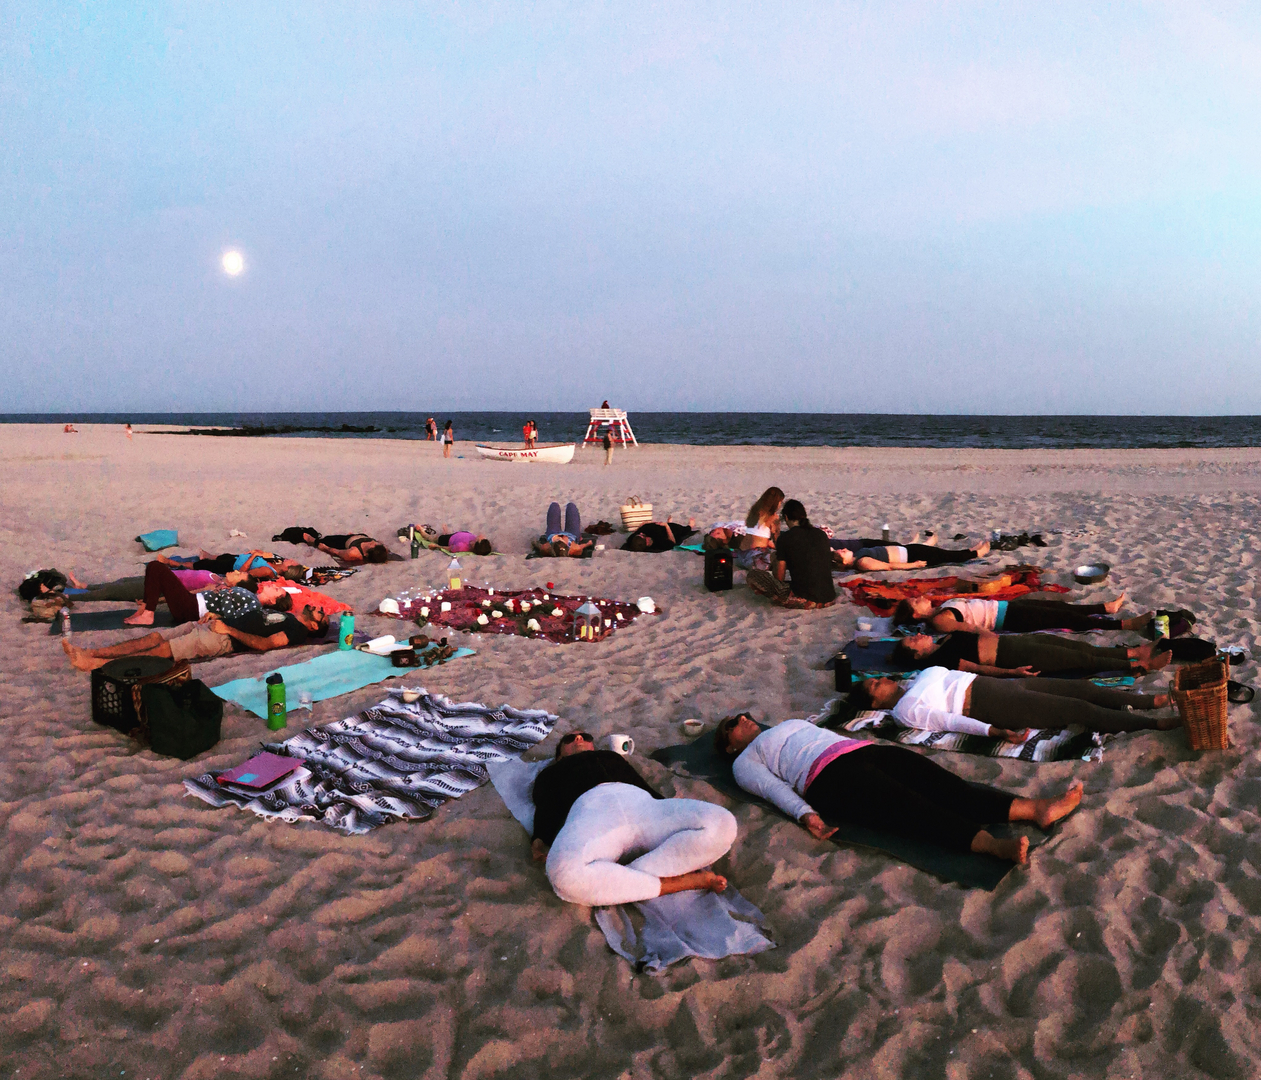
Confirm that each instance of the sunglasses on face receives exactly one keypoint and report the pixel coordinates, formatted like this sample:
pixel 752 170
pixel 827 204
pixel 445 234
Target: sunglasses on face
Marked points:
pixel 574 736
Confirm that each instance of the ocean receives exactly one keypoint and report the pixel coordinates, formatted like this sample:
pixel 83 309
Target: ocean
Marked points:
pixel 740 429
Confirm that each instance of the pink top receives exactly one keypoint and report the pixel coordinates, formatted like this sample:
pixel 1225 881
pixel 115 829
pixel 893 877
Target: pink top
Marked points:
pixel 196 579
pixel 462 541
pixel 830 755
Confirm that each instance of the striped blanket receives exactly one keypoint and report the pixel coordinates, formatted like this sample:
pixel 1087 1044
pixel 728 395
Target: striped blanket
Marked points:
pixel 1061 744
pixel 397 760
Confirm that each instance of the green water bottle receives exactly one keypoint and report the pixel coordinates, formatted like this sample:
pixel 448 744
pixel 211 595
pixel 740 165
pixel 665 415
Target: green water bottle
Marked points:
pixel 415 544
pixel 275 702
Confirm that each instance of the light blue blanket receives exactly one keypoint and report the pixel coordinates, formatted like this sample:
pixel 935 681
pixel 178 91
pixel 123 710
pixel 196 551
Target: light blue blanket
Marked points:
pixel 672 927
pixel 159 539
pixel 328 675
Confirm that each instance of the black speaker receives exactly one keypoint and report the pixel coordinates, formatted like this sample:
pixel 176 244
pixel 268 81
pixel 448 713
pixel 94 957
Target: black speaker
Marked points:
pixel 720 565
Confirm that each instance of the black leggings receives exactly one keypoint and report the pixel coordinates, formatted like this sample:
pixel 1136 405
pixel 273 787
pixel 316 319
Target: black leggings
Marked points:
pixel 220 564
pixel 127 588
pixel 897 790
pixel 1049 653
pixel 935 556
pixel 1024 615
pixel 1014 704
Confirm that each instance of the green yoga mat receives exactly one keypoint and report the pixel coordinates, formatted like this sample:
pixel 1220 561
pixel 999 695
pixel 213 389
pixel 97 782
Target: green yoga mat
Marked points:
pixel 701 761
pixel 328 675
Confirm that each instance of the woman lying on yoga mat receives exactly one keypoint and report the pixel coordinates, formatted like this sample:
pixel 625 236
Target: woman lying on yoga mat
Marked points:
pixel 905 556
pixel 262 565
pixel 1022 655
pixel 1021 615
pixel 592 809
pixel 161 582
pixel 659 536
pixel 943 700
pixel 354 548
pixel 562 543
pixel 815 776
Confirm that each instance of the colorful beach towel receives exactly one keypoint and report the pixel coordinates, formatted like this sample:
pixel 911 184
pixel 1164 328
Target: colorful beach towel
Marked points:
pixel 326 676
pixel 1042 744
pixel 322 575
pixel 512 613
pixel 159 539
pixel 656 933
pixel 882 597
pixel 395 761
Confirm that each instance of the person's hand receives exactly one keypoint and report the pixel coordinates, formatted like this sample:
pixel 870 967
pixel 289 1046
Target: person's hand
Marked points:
pixel 538 849
pixel 1025 671
pixel 917 565
pixel 218 625
pixel 817 827
pixel 1008 735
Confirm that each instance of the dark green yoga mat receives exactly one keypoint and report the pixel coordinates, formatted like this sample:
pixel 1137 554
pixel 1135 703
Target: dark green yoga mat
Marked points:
pixel 701 761
pixel 88 621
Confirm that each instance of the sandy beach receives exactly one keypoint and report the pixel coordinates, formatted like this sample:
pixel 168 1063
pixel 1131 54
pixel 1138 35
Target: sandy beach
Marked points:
pixel 144 933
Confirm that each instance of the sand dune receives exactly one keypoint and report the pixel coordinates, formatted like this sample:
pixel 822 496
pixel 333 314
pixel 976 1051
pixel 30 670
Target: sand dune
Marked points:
pixel 145 934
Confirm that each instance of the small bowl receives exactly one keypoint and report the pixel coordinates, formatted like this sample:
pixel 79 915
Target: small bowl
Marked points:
pixel 410 696
pixel 693 727
pixel 1091 573
pixel 864 625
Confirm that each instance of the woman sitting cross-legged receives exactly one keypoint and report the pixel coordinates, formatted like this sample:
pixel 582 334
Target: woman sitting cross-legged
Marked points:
pixel 905 556
pixel 592 810
pixel 1023 655
pixel 815 776
pixel 943 700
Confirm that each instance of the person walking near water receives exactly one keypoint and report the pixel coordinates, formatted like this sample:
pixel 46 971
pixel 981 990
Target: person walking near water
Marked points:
pixel 608 448
pixel 448 439
pixel 431 430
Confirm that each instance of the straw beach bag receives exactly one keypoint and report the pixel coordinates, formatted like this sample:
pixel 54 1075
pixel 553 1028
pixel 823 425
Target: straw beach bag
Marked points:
pixel 1200 693
pixel 635 513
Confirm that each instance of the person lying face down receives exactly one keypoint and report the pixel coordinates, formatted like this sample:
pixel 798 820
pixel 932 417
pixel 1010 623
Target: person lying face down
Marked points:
pixel 209 637
pixel 1023 655
pixel 815 776
pixel 943 700
pixel 1022 615
pixel 905 556
pixel 592 810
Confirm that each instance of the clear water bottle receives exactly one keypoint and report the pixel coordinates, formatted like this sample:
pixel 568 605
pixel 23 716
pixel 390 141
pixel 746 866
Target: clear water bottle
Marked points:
pixel 65 622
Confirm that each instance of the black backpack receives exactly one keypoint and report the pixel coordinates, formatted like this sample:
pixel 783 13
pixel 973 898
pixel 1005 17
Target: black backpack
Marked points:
pixel 30 587
pixel 183 720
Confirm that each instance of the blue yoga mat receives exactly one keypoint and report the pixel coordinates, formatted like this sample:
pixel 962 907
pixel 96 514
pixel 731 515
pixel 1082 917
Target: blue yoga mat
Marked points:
pixel 329 675
pixel 159 539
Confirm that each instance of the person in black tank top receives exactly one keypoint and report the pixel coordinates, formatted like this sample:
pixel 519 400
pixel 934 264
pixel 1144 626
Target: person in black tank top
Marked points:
pixel 1023 655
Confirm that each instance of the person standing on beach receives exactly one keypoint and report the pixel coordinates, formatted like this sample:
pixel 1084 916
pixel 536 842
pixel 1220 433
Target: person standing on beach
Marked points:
pixel 608 448
pixel 431 430
pixel 448 439
pixel 127 428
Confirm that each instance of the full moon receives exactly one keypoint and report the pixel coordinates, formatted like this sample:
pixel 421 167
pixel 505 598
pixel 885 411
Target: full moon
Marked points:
pixel 233 263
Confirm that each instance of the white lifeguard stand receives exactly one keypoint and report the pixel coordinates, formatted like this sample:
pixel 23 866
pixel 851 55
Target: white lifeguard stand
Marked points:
pixel 618 426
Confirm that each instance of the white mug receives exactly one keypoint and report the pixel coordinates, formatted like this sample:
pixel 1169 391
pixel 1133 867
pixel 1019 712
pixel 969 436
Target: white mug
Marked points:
pixel 621 744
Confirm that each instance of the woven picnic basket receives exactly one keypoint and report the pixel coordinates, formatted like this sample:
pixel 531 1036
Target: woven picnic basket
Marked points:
pixel 1199 690
pixel 635 513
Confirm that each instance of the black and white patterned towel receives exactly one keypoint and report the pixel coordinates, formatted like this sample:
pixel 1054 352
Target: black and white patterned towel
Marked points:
pixel 395 760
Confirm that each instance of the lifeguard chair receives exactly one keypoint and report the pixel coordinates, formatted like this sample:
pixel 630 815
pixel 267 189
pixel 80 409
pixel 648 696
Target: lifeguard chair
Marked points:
pixel 618 427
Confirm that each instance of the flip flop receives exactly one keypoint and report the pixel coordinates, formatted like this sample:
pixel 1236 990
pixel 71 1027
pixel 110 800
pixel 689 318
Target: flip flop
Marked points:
pixel 1239 694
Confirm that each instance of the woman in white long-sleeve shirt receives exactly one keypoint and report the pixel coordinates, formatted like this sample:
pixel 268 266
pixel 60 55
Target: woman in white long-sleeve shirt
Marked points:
pixel 815 776
pixel 943 700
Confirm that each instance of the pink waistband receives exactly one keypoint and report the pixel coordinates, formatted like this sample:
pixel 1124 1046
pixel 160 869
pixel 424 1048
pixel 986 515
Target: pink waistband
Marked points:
pixel 830 755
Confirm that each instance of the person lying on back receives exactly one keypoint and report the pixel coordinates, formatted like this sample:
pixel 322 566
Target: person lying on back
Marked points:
pixel 659 535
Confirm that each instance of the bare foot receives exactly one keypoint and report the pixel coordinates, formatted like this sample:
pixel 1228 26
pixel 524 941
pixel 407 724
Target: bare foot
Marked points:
pixel 1168 723
pixel 1016 850
pixel 143 617
pixel 1138 622
pixel 81 658
pixel 1155 661
pixel 74 581
pixel 1159 701
pixel 1049 811
pixel 702 880
pixel 1113 606
pixel 982 549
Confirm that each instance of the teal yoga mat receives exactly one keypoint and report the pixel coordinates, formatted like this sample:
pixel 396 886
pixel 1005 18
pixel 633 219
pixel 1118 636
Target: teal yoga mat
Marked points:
pixel 159 539
pixel 328 675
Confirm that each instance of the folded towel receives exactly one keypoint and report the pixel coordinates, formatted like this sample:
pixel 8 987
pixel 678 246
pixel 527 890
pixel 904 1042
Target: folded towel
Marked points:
pixel 328 675
pixel 671 928
pixel 159 539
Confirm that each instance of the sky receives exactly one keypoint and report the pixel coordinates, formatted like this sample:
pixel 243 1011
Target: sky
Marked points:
pixel 929 207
